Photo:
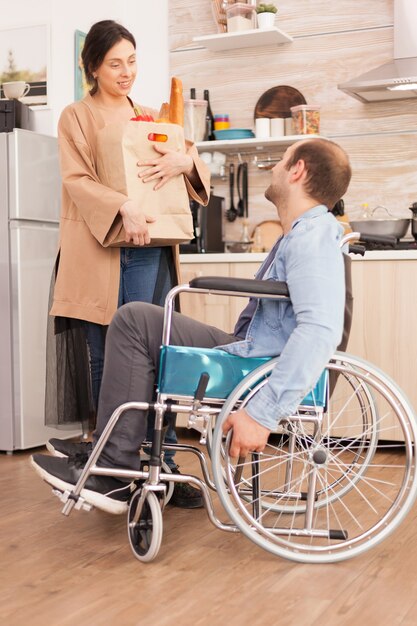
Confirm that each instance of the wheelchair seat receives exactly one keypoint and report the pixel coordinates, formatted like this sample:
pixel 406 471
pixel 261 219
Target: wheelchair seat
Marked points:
pixel 225 370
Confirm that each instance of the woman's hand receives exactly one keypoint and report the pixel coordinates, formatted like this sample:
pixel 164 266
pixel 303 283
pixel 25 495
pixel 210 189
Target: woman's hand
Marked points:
pixel 135 224
pixel 164 167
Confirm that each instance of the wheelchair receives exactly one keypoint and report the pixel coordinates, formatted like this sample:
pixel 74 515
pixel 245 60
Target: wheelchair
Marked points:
pixel 335 479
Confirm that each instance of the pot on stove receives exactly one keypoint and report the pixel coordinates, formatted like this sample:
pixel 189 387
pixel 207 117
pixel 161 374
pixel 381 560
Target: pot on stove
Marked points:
pixel 413 208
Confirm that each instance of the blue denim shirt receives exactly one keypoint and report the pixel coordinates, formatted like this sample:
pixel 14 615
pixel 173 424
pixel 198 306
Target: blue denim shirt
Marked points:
pixel 306 331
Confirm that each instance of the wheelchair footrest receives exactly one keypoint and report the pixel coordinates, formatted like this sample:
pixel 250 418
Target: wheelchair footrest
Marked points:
pixel 80 503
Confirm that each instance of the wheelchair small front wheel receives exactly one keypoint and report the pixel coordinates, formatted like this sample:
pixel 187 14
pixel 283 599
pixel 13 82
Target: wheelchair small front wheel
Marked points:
pixel 145 536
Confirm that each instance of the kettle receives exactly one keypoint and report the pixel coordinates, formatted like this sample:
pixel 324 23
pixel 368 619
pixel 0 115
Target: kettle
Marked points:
pixel 413 208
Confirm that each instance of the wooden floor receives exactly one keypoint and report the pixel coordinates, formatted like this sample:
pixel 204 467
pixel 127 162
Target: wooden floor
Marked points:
pixel 59 571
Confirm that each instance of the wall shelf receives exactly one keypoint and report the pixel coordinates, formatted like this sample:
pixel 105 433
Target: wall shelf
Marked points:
pixel 243 39
pixel 253 144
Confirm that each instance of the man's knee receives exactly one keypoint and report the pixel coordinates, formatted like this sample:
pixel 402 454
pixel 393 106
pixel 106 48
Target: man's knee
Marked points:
pixel 137 316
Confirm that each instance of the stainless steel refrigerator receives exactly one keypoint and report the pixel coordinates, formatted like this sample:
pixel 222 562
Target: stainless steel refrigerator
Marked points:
pixel 29 214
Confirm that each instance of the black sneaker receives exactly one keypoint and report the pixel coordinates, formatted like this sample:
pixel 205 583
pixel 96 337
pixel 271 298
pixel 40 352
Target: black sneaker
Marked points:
pixel 184 495
pixel 104 492
pixel 65 447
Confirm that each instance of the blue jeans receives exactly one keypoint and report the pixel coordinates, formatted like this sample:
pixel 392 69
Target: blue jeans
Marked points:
pixel 144 277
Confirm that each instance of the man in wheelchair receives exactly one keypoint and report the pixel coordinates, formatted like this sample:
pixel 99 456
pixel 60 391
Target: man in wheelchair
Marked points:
pixel 312 176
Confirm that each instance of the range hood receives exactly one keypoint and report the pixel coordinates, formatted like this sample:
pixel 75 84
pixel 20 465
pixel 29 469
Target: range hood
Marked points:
pixel 396 80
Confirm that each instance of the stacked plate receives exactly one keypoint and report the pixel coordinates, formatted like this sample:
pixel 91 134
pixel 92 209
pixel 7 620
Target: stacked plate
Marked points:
pixel 233 133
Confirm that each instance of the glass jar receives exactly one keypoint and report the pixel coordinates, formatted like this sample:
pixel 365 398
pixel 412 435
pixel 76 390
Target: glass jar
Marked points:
pixel 240 16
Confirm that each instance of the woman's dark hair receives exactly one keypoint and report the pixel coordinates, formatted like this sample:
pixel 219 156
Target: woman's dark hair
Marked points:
pixel 100 38
pixel 328 169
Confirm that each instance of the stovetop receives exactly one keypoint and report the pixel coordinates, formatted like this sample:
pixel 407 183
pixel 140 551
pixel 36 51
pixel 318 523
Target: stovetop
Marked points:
pixel 402 244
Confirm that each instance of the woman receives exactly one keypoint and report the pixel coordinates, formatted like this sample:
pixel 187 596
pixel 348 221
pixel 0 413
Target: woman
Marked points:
pixel 92 280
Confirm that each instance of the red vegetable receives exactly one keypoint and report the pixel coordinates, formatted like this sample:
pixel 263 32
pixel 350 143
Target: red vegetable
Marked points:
pixel 142 118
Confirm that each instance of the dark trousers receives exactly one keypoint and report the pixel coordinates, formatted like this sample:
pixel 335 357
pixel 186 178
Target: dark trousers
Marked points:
pixel 131 368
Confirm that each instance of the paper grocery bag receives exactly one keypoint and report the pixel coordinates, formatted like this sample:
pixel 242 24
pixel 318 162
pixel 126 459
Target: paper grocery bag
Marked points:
pixel 119 148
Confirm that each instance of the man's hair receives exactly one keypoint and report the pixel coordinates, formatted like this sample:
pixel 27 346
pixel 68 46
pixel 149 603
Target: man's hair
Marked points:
pixel 328 169
pixel 101 37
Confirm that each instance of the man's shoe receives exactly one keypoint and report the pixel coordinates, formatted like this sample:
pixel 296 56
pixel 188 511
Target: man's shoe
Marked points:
pixel 104 492
pixel 184 495
pixel 65 447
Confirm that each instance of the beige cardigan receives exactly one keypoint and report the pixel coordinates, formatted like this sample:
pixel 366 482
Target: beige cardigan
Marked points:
pixel 87 281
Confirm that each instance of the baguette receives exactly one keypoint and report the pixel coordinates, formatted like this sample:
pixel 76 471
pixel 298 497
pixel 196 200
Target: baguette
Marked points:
pixel 176 102
pixel 163 113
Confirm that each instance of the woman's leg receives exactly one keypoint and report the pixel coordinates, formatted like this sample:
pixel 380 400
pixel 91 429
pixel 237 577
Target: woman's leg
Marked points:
pixel 146 276
pixel 95 335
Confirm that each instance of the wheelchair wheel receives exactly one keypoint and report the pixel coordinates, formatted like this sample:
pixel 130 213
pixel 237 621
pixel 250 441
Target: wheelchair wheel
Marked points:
pixel 328 486
pixel 167 470
pixel 347 400
pixel 145 535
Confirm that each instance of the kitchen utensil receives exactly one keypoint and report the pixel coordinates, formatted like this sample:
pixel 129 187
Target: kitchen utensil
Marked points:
pixel 391 226
pixel 231 213
pixel 234 133
pixel 245 189
pixel 277 102
pixel 413 208
pixel 238 246
pixel 242 189
pixel 265 164
pixel 240 203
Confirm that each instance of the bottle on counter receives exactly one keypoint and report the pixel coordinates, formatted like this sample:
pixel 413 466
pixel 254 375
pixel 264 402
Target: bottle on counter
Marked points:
pixel 209 136
pixel 192 93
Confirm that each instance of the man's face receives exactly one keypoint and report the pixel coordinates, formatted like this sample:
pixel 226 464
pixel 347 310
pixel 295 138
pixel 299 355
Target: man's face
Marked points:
pixel 277 191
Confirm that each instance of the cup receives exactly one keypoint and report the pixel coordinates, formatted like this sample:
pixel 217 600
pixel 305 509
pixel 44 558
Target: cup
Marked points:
pixel 15 89
pixel 262 128
pixel 288 126
pixel 277 127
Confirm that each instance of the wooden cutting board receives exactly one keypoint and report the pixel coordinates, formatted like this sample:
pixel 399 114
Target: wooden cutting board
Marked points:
pixel 269 231
pixel 277 102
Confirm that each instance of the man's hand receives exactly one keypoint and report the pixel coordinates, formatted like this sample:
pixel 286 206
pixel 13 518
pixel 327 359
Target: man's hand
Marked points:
pixel 167 164
pixel 247 436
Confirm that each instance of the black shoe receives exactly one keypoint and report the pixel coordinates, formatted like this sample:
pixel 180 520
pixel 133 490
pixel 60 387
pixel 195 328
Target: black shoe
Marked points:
pixel 104 492
pixel 184 495
pixel 65 447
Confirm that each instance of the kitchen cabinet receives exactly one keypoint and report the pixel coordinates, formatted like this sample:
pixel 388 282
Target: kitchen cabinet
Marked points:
pixel 220 311
pixel 384 320
pixel 384 328
pixel 243 39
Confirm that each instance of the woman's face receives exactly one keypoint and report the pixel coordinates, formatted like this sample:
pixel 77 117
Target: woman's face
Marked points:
pixel 117 73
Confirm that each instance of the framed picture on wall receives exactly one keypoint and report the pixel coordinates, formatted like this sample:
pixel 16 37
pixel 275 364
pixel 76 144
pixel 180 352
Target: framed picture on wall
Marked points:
pixel 25 56
pixel 81 87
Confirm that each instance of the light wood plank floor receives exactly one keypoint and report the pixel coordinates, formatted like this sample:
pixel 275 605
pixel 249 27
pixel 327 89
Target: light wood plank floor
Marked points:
pixel 58 571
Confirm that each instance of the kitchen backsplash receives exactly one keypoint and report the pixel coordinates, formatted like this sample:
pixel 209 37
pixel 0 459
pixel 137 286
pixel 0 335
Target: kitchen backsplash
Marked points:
pixel 332 42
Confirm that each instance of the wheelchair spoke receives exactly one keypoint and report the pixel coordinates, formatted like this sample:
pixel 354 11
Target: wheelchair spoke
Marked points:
pixel 331 482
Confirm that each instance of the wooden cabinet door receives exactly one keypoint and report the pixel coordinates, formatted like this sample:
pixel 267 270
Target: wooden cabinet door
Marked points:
pixel 384 307
pixel 211 309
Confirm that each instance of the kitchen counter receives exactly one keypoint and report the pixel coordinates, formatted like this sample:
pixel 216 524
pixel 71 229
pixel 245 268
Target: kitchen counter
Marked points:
pixel 258 257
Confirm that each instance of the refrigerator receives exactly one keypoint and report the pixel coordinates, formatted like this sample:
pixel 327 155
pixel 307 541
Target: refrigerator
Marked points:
pixel 30 190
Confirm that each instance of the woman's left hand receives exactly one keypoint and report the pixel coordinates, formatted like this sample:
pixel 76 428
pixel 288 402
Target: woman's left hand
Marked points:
pixel 164 167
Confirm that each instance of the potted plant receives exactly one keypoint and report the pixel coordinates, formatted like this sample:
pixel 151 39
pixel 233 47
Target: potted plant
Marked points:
pixel 266 15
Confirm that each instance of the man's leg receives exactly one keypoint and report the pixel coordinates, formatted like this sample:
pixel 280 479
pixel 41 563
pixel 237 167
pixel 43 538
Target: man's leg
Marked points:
pixel 131 369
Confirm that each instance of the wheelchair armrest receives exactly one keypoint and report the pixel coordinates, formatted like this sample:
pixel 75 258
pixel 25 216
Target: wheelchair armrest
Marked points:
pixel 247 285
